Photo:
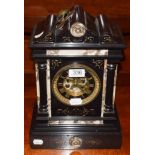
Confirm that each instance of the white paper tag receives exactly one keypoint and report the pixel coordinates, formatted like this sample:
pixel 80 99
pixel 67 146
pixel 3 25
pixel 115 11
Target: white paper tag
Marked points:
pixel 38 142
pixel 76 72
pixel 75 101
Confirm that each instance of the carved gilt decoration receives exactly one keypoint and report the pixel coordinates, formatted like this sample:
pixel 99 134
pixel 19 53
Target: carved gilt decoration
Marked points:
pixel 98 63
pixel 55 63
pixel 75 111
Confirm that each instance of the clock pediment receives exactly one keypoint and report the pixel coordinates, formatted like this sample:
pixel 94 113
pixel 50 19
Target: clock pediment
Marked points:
pixel 78 29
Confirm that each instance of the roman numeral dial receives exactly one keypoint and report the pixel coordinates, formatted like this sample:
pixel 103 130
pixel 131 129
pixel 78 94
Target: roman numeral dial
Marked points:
pixel 85 87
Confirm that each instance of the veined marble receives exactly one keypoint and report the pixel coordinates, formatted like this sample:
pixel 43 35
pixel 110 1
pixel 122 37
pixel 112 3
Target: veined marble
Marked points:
pixel 37 85
pixel 104 87
pixel 77 52
pixel 114 87
pixel 48 86
pixel 71 122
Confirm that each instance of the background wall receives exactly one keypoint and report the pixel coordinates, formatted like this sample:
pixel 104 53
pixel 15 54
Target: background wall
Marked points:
pixel 117 10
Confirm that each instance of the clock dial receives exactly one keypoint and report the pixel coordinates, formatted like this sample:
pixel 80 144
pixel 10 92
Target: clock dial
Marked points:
pixel 82 84
pixel 78 29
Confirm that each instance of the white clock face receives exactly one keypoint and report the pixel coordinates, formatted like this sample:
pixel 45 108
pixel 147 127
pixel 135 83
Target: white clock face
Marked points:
pixel 78 29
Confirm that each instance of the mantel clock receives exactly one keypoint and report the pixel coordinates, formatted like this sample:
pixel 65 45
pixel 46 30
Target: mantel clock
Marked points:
pixel 76 56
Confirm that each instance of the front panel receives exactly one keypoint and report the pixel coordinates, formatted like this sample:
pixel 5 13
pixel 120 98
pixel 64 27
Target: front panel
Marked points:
pixel 76 86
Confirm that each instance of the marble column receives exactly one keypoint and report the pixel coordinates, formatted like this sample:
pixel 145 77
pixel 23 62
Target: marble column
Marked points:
pixel 43 106
pixel 109 87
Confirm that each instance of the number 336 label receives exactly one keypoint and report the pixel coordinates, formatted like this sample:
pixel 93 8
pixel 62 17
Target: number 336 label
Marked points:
pixel 76 72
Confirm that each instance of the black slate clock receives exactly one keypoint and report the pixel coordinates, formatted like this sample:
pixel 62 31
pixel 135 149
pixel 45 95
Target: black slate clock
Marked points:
pixel 76 58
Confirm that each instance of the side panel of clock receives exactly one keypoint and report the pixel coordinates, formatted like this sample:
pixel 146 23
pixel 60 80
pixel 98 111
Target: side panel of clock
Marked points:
pixel 93 108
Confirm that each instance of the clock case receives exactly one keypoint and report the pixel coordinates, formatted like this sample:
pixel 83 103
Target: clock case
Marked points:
pixel 101 34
